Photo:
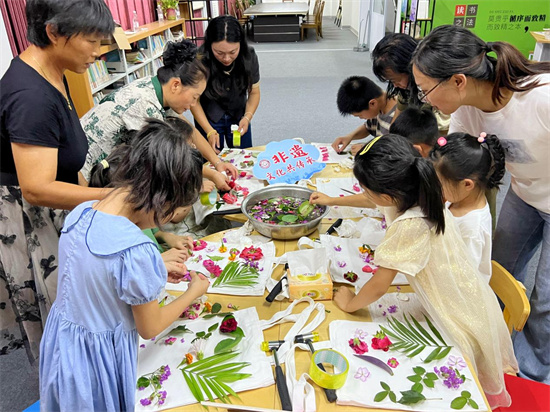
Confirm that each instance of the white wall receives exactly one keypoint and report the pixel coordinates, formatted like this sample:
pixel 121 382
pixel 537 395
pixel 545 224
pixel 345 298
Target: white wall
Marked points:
pixel 5 51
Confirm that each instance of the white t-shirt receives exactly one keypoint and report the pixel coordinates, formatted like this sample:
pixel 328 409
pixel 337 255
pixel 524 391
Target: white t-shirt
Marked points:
pixel 475 228
pixel 523 127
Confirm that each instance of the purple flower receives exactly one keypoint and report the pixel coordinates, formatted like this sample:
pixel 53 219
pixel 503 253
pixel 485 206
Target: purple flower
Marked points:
pixel 384 313
pixel 342 264
pixel 182 340
pixel 456 362
pixel 141 388
pixel 379 305
pixel 224 240
pixel 450 377
pixel 142 345
pixel 145 401
pixel 362 374
pixel 392 309
pixel 338 248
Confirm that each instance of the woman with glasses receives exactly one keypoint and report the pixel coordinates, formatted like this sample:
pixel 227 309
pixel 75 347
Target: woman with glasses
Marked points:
pixel 508 96
pixel 391 62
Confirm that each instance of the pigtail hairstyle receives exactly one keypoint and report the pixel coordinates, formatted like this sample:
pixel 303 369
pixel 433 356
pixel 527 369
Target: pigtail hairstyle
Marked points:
pixel 229 29
pixel 161 171
pixel 102 173
pixel 392 166
pixel 394 52
pixel 450 50
pixel 182 61
pixel 463 156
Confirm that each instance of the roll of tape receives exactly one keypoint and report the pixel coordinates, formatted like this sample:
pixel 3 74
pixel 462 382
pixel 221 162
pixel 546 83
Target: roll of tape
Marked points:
pixel 209 199
pixel 325 379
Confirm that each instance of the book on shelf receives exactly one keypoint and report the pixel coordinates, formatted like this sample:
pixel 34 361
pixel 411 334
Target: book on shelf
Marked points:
pixel 98 73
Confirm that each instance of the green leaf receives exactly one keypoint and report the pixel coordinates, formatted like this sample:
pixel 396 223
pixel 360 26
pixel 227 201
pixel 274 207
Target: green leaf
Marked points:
pixel 204 388
pixel 227 344
pixel 216 307
pixel 416 333
pixel 410 333
pixel 393 398
pixel 466 394
pixel 410 397
pixel 213 327
pixel 385 386
pixel 238 332
pixel 444 352
pixel 197 385
pixel 215 258
pixel 213 315
pixel 289 218
pixel 428 382
pixel 211 360
pixel 459 403
pixel 216 389
pixel 237 274
pixel 178 331
pixel 380 396
pixel 414 378
pixel 142 382
pixel 432 376
pixel 432 355
pixel 416 351
pixel 435 331
pixel 200 334
pixel 417 387
pixel 422 330
pixel 472 403
pixel 419 370
pixel 192 386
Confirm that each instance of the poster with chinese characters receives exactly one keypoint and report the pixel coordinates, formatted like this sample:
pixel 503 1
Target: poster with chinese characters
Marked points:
pixel 497 20
pixel 287 161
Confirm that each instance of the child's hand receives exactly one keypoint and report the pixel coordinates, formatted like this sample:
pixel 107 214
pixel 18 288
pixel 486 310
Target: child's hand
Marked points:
pixel 318 198
pixel 355 148
pixel 177 242
pixel 207 186
pixel 176 272
pixel 341 143
pixel 199 284
pixel 175 256
pixel 343 297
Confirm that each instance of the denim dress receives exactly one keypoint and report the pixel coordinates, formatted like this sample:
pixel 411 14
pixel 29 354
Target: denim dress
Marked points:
pixel 88 353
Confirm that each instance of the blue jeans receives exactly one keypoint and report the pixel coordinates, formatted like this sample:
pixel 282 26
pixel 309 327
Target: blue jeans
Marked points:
pixel 520 230
pixel 223 127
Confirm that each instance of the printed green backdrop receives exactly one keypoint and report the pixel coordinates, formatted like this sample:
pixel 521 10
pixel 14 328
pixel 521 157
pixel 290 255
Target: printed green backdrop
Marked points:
pixel 497 20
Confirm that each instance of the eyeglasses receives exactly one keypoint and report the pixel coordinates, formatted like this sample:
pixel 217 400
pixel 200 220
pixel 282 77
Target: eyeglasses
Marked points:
pixel 422 96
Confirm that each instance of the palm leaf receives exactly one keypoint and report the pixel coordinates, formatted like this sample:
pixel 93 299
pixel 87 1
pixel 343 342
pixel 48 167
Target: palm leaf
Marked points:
pixel 411 338
pixel 237 274
pixel 207 378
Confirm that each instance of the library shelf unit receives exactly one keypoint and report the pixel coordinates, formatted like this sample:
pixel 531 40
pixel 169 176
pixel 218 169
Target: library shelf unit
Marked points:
pixel 83 89
pixel 188 9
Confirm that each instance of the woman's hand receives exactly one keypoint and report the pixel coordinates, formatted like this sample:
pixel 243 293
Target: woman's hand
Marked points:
pixel 207 186
pixel 318 198
pixel 243 125
pixel 198 285
pixel 355 148
pixel 343 297
pixel 227 168
pixel 341 143
pixel 214 140
pixel 221 181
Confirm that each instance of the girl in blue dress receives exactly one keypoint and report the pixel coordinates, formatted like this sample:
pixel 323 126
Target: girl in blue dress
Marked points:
pixel 111 274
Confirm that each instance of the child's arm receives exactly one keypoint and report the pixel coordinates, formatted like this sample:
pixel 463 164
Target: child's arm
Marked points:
pixel 358 200
pixel 219 179
pixel 342 142
pixel 371 291
pixel 174 241
pixel 151 319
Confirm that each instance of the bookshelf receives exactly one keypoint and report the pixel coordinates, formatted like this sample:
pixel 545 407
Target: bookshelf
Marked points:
pixel 88 88
pixel 418 24
pixel 194 24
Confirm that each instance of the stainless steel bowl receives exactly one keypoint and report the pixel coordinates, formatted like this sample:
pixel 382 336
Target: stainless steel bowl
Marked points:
pixel 283 232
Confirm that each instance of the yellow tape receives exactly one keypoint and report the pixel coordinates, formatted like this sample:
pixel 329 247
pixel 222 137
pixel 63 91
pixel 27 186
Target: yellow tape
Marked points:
pixel 209 199
pixel 329 380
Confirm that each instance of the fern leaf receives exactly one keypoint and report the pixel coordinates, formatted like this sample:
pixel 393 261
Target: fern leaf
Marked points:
pixel 435 331
pixel 237 274
pixel 423 331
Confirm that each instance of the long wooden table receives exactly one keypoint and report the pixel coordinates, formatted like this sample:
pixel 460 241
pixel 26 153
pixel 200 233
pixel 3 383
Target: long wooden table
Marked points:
pixel 276 21
pixel 268 397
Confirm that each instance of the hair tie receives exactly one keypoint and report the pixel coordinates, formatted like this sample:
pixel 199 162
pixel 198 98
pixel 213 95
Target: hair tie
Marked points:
pixel 441 141
pixel 489 47
pixel 482 137
pixel 104 163
pixel 369 145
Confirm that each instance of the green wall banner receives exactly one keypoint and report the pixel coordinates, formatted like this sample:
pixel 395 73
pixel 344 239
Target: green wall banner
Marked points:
pixel 497 20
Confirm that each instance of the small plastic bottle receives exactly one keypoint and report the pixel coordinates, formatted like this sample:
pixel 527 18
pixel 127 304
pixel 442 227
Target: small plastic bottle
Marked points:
pixel 135 21
pixel 160 13
pixel 236 135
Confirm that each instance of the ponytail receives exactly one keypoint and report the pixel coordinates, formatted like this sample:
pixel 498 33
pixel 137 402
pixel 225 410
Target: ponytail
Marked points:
pixel 450 50
pixel 430 197
pixel 498 157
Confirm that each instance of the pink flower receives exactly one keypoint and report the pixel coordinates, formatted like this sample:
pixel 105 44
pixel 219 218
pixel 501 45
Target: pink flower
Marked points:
pixel 251 253
pixel 199 245
pixel 383 344
pixel 228 325
pixel 356 187
pixel 229 198
pixel 392 363
pixel 358 346
pixel 360 333
pixel 216 271
pixel 367 269
pixel 170 341
pixel 208 264
pixel 456 362
pixel 362 374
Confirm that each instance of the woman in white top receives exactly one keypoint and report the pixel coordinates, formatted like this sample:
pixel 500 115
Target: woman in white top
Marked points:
pixel 507 96
pixel 466 167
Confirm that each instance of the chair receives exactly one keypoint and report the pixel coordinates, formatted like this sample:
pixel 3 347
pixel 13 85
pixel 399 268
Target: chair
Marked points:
pixel 338 18
pixel 316 24
pixel 513 296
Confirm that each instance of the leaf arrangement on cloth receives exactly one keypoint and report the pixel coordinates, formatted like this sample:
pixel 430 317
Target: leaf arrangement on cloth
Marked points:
pixel 242 159
pixel 208 378
pixel 237 274
pixel 413 338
